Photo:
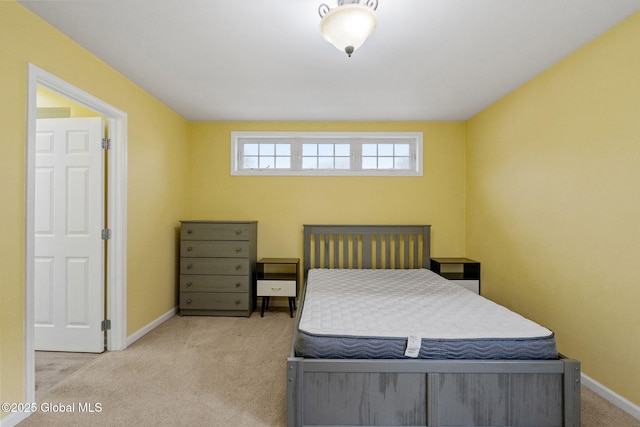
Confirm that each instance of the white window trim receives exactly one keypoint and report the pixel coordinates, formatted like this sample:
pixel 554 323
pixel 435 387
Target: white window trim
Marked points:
pixel 335 137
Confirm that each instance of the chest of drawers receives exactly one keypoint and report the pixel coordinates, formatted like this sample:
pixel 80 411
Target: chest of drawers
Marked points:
pixel 217 268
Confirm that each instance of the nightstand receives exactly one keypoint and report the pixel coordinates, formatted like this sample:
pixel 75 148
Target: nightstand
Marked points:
pixel 277 277
pixel 463 271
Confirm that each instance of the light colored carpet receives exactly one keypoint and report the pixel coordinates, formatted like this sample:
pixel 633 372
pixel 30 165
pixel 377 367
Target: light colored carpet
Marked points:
pixel 214 371
pixel 53 366
pixel 597 412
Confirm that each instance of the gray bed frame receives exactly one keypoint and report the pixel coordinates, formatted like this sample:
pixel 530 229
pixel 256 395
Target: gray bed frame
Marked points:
pixel 385 392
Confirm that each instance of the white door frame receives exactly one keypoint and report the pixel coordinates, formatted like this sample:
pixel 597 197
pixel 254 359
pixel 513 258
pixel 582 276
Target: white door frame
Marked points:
pixel 116 268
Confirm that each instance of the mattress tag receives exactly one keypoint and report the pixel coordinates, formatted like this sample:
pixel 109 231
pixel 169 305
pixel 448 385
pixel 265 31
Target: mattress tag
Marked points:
pixel 413 346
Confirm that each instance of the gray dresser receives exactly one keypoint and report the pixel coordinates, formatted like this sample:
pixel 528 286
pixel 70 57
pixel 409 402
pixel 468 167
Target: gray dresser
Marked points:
pixel 218 267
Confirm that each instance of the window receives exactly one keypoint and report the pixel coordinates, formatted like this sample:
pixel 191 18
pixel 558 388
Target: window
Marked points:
pixel 326 156
pixel 266 155
pixel 322 153
pixel 386 156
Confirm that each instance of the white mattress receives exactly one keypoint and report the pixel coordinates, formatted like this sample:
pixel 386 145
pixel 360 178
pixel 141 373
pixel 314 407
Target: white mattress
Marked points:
pixel 403 303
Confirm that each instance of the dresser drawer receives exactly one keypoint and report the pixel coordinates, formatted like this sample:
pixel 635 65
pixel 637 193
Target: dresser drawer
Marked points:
pixel 213 231
pixel 214 248
pixel 277 288
pixel 213 301
pixel 211 283
pixel 237 266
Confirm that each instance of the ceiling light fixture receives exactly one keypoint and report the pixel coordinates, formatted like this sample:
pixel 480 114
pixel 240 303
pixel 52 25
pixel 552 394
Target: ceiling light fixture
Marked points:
pixel 348 25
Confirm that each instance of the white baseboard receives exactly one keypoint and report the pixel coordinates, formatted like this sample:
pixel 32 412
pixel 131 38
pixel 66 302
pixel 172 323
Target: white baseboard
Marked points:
pixel 13 419
pixel 611 396
pixel 149 327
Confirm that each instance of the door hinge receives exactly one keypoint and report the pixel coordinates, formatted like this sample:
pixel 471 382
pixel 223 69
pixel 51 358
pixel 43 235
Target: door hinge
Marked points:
pixel 106 143
pixel 106 325
pixel 106 234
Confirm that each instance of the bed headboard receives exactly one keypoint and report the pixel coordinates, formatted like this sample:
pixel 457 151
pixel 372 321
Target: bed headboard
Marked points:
pixel 366 246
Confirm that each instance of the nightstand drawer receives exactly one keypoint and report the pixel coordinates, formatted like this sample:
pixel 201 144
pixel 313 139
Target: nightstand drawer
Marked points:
pixel 213 301
pixel 277 288
pixel 238 266
pixel 213 231
pixel 214 248
pixel 213 283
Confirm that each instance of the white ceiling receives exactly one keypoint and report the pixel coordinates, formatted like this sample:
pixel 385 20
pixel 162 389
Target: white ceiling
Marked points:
pixel 265 59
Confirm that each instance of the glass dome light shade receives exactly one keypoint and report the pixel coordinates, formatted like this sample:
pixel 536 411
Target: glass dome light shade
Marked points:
pixel 348 25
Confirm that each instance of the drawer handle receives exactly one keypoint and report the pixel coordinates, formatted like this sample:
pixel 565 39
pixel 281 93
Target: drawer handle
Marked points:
pixel 189 231
pixel 276 289
pixel 238 232
pixel 238 249
pixel 238 267
pixel 188 284
pixel 238 302
pixel 189 267
pixel 189 249
pixel 237 284
pixel 189 301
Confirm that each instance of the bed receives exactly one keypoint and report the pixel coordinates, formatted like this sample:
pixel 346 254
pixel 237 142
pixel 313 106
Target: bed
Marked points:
pixel 355 377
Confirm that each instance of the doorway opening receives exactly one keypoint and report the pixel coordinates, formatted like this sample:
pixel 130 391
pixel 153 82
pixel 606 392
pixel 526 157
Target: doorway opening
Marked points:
pixel 115 199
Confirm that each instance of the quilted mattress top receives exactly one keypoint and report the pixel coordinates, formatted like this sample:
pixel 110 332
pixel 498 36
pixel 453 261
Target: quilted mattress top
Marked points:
pixel 403 303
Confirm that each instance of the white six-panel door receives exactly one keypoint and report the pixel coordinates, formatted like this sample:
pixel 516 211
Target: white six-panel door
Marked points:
pixel 69 249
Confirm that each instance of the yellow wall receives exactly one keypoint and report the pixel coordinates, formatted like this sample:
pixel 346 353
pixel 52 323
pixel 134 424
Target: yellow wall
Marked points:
pixel 281 205
pixel 548 173
pixel 50 99
pixel 157 176
pixel 554 207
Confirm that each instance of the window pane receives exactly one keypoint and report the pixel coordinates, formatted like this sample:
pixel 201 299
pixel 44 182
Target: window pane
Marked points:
pixel 309 162
pixel 250 162
pixel 369 163
pixel 267 149
pixel 267 162
pixel 369 149
pixel 250 149
pixel 309 149
pixel 283 162
pixel 342 162
pixel 385 162
pixel 283 149
pixel 343 149
pixel 325 149
pixel 402 163
pixel 385 149
pixel 325 162
pixel 402 150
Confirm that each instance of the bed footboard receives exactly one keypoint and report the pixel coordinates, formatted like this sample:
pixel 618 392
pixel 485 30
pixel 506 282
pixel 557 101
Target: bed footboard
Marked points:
pixel 433 392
